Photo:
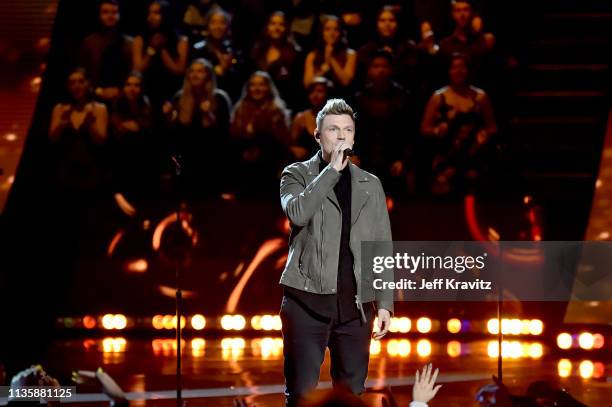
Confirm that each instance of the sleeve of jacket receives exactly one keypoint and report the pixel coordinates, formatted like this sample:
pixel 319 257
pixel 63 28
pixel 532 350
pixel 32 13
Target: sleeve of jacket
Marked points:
pixel 384 298
pixel 300 201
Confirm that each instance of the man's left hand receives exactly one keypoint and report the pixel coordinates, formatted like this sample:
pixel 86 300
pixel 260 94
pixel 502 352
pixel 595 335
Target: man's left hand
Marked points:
pixel 382 326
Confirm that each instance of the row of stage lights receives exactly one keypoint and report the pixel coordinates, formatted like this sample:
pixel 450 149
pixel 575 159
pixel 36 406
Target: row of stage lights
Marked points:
pixel 237 322
pixel 272 346
pixel 583 340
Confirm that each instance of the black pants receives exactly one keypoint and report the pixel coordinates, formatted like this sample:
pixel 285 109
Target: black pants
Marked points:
pixel 305 337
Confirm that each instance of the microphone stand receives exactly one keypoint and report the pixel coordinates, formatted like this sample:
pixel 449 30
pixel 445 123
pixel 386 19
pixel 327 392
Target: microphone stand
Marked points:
pixel 178 167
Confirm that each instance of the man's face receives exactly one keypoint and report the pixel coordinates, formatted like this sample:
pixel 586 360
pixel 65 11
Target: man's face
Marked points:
pixel 336 128
pixel 379 70
pixel 109 15
pixel 462 13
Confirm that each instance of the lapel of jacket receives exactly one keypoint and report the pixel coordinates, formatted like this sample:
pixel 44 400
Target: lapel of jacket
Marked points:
pixel 359 195
pixel 313 172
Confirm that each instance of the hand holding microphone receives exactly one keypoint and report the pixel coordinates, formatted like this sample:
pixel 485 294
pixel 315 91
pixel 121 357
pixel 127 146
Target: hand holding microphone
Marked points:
pixel 339 158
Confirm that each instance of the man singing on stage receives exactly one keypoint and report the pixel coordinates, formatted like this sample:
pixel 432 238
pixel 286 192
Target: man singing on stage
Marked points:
pixel 332 206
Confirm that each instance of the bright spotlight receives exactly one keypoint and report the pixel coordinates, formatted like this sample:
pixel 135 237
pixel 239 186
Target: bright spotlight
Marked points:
pixel 536 327
pixel 493 326
pixel 424 325
pixel 119 321
pixel 108 321
pixel 453 348
pixel 198 322
pixel 564 368
pixel 564 340
pixel 586 340
pixel 424 348
pixel 586 369
pixel 158 322
pixel 453 325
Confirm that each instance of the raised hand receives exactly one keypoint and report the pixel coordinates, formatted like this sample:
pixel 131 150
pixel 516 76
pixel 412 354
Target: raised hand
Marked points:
pixel 423 389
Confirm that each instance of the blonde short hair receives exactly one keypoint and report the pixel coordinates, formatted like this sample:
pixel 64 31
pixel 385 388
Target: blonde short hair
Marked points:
pixel 334 106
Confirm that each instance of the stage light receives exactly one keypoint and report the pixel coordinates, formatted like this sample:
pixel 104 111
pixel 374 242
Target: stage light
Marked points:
pixel 271 347
pixel 423 348
pixel 453 325
pixel 564 368
pixel 493 326
pixel 525 330
pixel 198 322
pixel 514 349
pixel 232 348
pixel 197 347
pixel 598 341
pixel 168 321
pixel 403 324
pixel 536 350
pixel 375 347
pixel 493 349
pixel 10 137
pixel 158 322
pixel 399 324
pixel 514 326
pixel 586 369
pixel 586 340
pixel 267 322
pixel 119 321
pixel 183 322
pixel 256 322
pixel 137 266
pixel 113 345
pixel 453 348
pixel 233 322
pixel 536 327
pixel 89 322
pixel 278 323
pixel 564 340
pixel 398 347
pixel 108 321
pixel 423 325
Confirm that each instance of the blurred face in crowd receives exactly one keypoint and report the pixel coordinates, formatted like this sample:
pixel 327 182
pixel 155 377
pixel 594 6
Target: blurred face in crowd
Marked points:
pixel 318 95
pixel 197 74
pixel 259 88
pixel 386 24
pixel 331 32
pixel 276 26
pixel 217 26
pixel 462 13
pixel 336 128
pixel 132 87
pixel 109 15
pixel 78 85
pixel 380 70
pixel 458 72
pixel 154 18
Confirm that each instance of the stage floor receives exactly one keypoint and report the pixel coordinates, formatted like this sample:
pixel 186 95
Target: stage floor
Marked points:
pixel 216 370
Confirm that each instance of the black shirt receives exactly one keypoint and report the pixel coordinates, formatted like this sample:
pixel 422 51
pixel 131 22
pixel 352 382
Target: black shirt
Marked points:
pixel 340 306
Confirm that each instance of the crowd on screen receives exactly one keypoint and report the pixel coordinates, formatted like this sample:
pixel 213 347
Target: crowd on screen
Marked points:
pixel 234 93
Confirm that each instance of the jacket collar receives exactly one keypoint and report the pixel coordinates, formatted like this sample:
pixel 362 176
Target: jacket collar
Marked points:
pixel 359 194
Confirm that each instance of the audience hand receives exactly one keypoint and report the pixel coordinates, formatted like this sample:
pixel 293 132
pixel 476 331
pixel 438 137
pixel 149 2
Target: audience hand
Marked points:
pixel 423 390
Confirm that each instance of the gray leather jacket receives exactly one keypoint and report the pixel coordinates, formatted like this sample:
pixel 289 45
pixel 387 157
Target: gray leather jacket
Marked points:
pixel 309 201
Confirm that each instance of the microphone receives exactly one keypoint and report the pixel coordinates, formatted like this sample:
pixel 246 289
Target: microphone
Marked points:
pixel 347 153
